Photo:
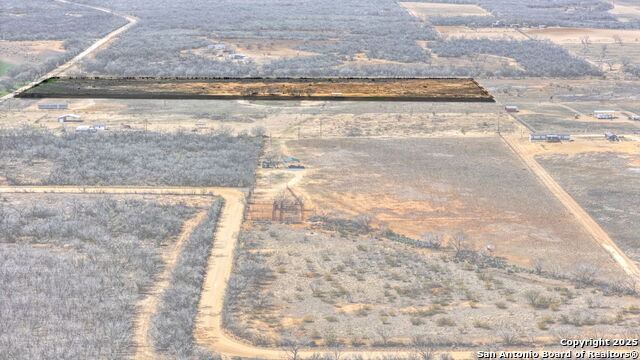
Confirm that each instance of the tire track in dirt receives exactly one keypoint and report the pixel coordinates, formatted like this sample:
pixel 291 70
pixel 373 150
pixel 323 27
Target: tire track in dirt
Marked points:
pixel 147 307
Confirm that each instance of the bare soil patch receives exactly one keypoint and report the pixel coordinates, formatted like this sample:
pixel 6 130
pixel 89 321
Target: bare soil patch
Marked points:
pixel 21 52
pixel 424 10
pixel 625 11
pixel 409 89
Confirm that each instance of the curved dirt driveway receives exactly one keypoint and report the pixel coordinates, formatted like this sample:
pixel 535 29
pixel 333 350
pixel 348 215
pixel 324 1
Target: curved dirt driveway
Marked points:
pixel 132 20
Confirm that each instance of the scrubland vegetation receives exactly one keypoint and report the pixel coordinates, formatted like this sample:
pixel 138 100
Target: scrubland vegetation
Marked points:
pixel 173 323
pixel 382 30
pixel 536 57
pixel 127 158
pixel 341 282
pixel 24 20
pixel 73 269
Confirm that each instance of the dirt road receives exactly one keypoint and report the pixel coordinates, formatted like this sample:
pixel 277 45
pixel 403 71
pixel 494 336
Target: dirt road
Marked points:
pixel 599 235
pixel 131 21
pixel 147 307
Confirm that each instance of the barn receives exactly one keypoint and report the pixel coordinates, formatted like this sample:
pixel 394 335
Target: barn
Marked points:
pixel 549 137
pixel 604 114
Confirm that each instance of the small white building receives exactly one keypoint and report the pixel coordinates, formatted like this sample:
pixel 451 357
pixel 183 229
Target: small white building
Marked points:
pixel 65 118
pixel 85 129
pixel 100 127
pixel 604 114
pixel 217 47
pixel 238 57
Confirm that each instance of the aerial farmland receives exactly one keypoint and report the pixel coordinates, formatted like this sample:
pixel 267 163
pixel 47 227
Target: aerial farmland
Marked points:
pixel 317 180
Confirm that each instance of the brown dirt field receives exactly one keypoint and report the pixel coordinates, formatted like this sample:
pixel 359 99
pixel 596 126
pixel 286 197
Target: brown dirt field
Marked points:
pixel 458 89
pixel 424 10
pixel 480 33
pixel 574 35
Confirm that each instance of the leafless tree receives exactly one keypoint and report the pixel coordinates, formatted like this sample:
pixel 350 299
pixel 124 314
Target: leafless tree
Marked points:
pixel 538 265
pixel 384 335
pixel 459 242
pixel 585 273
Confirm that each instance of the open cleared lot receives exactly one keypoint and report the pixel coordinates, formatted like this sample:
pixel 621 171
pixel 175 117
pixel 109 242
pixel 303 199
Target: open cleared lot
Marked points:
pixel 480 33
pixel 458 89
pixel 446 186
pixel 73 269
pixel 425 10
pixel 32 157
pixel 625 11
pixel 605 183
pixel 567 35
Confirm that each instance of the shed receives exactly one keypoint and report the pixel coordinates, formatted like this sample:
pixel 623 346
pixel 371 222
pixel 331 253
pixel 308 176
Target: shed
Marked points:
pixel 291 160
pixel 549 137
pixel 611 136
pixel 511 108
pixel 52 106
pixel 217 46
pixel 67 117
pixel 100 127
pixel 238 56
pixel 604 114
pixel 85 129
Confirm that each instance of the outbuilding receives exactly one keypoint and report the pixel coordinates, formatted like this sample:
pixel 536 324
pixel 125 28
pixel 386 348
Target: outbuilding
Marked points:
pixel 511 108
pixel 604 114
pixel 69 117
pixel 552 138
pixel 52 106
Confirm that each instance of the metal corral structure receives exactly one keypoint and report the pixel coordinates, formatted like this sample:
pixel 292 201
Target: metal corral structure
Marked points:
pixel 604 114
pixel 549 137
pixel 289 209
pixel 52 106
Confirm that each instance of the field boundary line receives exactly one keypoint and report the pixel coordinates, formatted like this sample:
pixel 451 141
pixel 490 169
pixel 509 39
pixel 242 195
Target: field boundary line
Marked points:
pixel 597 233
pixel 131 21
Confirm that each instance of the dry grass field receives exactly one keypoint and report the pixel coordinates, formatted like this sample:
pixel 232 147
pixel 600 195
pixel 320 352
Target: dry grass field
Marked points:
pixel 446 185
pixel 603 178
pixel 625 11
pixel 425 10
pixel 565 35
pixel 465 32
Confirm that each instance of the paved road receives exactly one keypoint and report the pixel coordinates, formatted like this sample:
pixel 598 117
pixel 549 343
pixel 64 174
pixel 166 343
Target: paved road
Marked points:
pixel 131 21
